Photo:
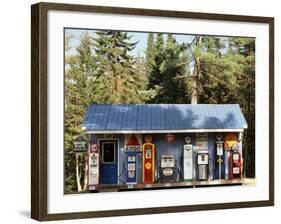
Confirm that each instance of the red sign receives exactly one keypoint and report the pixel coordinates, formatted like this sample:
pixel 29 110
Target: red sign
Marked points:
pixel 94 148
pixel 133 144
pixel 170 138
pixel 133 140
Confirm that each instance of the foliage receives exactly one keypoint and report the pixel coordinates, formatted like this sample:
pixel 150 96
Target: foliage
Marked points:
pixel 172 87
pixel 116 77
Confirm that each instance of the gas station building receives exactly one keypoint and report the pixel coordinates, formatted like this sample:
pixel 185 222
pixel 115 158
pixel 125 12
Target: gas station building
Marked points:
pixel 137 146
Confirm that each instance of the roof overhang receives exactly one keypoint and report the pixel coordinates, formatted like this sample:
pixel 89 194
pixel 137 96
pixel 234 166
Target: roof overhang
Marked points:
pixel 160 131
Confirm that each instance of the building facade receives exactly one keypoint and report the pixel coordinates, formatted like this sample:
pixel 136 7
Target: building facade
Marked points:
pixel 137 146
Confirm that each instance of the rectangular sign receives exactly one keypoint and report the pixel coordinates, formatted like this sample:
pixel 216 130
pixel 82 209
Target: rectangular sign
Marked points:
pixel 201 141
pixel 80 146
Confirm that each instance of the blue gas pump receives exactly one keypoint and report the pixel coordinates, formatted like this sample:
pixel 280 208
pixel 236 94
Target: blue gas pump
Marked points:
pixel 219 158
pixel 131 167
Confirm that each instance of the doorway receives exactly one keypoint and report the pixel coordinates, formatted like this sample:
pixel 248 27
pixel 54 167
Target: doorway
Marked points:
pixel 109 162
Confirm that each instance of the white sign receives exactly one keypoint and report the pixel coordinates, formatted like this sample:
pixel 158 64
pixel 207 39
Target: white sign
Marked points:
pixel 131 166
pixel 133 148
pixel 220 149
pixel 201 141
pixel 236 170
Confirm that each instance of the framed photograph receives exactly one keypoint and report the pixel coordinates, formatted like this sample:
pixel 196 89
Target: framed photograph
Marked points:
pixel 140 111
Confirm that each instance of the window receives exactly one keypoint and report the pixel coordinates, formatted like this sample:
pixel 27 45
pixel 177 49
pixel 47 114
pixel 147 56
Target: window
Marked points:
pixel 108 152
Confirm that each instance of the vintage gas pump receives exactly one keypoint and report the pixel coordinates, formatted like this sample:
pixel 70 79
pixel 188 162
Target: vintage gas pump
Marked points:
pixel 235 162
pixel 167 169
pixel 219 158
pixel 229 140
pixel 203 165
pixel 93 165
pixel 132 150
pixel 148 160
pixel 131 168
pixel 187 160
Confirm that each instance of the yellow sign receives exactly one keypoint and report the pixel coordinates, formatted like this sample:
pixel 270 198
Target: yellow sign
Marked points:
pixel 148 165
pixel 230 139
pixel 148 138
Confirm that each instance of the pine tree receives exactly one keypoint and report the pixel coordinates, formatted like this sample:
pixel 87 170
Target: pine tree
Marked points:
pixel 155 73
pixel 172 88
pixel 150 52
pixel 116 80
pixel 219 72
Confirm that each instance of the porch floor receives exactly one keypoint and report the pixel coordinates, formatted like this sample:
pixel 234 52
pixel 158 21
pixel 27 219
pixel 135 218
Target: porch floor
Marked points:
pixel 154 186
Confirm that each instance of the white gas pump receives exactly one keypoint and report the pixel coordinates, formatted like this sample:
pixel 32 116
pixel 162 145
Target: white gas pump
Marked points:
pixel 93 165
pixel 187 160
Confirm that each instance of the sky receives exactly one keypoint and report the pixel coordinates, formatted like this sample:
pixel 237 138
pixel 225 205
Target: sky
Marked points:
pixel 140 37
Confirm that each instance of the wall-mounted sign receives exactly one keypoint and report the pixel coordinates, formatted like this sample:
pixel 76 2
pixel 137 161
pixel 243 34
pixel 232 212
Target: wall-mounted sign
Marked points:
pixel 170 138
pixel 148 138
pixel 133 148
pixel 133 144
pixel 201 141
pixel 230 139
pixel 108 136
pixel 219 148
pixel 94 148
pixel 80 144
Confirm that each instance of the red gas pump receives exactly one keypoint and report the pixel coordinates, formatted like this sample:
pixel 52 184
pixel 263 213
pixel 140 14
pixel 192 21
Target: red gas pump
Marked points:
pixel 148 161
pixel 235 165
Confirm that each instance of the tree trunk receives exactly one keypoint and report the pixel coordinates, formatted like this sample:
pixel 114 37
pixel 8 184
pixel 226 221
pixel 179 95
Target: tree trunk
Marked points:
pixel 78 173
pixel 196 72
pixel 86 173
pixel 194 97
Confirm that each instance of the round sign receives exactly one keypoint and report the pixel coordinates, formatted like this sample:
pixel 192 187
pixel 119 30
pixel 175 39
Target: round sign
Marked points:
pixel 94 148
pixel 148 165
pixel 148 138
pixel 235 147
pixel 187 139
pixel 219 137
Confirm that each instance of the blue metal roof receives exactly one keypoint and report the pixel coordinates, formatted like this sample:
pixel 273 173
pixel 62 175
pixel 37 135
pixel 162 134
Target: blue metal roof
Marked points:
pixel 162 117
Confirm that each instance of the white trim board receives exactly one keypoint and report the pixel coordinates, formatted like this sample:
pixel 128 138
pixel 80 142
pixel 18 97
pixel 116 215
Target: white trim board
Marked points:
pixel 162 131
